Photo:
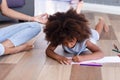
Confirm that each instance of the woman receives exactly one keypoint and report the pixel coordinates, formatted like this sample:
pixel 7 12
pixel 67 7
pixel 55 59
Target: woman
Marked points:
pixel 14 38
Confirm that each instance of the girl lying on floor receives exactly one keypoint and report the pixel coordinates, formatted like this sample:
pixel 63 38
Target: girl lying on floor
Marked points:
pixel 72 31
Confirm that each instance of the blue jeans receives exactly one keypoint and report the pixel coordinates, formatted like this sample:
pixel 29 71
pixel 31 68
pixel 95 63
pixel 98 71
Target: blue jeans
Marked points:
pixel 20 33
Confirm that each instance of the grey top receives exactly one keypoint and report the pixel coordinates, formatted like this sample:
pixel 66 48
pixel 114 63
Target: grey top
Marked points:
pixel 80 47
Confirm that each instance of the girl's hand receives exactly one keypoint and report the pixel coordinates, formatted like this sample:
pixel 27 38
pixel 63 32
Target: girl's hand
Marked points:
pixel 63 60
pixel 77 58
pixel 41 18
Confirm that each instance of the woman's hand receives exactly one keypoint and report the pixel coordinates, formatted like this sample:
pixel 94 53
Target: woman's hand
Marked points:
pixel 41 18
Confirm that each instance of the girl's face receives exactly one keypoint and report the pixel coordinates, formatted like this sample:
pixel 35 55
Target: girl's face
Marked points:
pixel 70 43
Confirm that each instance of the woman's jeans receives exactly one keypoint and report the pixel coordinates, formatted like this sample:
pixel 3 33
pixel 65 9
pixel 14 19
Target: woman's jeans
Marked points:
pixel 19 33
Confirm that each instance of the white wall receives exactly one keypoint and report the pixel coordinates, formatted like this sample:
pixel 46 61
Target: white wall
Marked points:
pixel 102 8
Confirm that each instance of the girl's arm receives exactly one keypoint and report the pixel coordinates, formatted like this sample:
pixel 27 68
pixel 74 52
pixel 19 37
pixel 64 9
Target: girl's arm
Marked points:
pixel 17 15
pixel 96 53
pixel 61 59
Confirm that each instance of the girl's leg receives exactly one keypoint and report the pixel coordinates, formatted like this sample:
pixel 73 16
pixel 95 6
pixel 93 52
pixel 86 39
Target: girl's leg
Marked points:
pixel 101 25
pixel 79 7
pixel 74 1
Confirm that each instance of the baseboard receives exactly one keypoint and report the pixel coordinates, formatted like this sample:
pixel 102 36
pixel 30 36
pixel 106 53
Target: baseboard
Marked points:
pixel 102 8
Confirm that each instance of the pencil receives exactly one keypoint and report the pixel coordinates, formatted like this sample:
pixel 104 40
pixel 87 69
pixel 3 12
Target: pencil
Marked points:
pixel 116 50
pixel 92 64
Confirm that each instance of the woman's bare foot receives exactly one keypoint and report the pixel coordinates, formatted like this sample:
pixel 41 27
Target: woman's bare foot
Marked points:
pixel 17 49
pixel 106 28
pixel 28 47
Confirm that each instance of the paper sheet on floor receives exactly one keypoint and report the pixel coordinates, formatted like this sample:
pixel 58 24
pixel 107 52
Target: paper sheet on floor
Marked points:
pixel 107 59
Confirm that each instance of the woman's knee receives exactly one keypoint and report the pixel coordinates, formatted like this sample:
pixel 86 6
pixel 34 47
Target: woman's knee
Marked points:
pixel 35 26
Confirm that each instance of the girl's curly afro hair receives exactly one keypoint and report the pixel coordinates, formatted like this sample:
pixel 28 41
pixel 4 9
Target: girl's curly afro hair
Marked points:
pixel 68 25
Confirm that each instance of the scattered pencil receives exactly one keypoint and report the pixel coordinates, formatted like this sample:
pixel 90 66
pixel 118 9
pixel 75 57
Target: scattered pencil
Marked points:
pixel 91 64
pixel 116 50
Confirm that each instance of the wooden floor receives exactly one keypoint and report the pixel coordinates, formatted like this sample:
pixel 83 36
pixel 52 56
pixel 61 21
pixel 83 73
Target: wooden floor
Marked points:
pixel 35 65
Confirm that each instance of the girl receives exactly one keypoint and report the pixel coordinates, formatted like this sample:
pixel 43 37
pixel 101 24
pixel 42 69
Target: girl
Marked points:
pixel 73 32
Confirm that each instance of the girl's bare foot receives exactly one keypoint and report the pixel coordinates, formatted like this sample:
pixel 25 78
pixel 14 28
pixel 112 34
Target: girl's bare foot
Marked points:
pixel 79 6
pixel 74 1
pixel 106 28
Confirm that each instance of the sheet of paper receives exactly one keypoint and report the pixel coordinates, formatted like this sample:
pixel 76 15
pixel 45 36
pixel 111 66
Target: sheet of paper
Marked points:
pixel 107 59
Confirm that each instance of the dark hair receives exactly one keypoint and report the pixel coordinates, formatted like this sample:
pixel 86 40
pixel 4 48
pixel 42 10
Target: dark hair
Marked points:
pixel 66 25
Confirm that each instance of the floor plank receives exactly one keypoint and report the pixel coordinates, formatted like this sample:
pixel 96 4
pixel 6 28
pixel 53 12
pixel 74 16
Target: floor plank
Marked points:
pixel 110 73
pixel 55 72
pixel 15 58
pixel 29 66
pixel 5 70
pixel 116 28
pixel 85 73
pixel 108 35
pixel 107 46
